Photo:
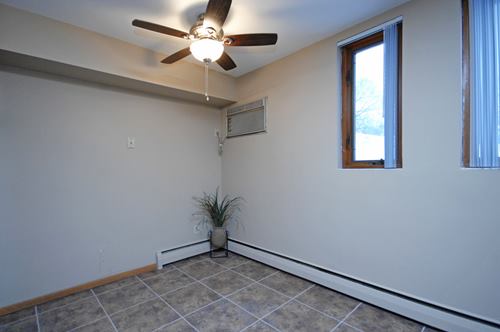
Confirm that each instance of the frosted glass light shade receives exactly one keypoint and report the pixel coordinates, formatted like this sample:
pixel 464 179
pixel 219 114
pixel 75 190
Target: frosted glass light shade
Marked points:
pixel 206 49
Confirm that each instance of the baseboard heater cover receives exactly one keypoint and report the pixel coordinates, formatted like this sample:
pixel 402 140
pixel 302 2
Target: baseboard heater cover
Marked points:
pixel 162 257
pixel 168 256
pixel 402 304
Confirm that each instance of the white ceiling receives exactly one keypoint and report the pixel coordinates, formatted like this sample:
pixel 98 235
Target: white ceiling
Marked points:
pixel 299 23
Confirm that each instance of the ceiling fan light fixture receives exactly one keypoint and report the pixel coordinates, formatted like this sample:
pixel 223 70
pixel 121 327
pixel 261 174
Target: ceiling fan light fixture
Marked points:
pixel 206 50
pixel 207 36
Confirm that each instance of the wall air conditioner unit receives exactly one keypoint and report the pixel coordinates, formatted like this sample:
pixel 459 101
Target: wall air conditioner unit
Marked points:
pixel 247 119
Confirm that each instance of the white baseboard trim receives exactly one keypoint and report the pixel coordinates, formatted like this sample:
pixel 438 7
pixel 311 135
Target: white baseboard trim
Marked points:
pixel 426 314
pixel 185 251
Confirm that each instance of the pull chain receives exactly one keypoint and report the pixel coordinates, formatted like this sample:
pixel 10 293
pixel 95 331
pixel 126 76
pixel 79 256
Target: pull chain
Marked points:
pixel 206 81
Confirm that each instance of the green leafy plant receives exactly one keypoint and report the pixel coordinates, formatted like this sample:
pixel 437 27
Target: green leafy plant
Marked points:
pixel 216 211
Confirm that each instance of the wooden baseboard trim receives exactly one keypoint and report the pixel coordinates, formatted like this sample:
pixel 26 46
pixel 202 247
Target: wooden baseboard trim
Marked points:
pixel 65 292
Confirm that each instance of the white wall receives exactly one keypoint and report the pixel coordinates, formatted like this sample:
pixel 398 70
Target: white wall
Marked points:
pixel 429 230
pixel 69 187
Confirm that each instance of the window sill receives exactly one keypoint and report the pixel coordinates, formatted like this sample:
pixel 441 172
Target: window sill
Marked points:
pixel 369 169
pixel 480 168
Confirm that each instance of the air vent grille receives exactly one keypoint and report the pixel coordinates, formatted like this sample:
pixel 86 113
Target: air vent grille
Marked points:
pixel 247 119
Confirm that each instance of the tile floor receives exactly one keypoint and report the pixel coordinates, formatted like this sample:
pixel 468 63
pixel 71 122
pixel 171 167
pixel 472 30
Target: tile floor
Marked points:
pixel 204 294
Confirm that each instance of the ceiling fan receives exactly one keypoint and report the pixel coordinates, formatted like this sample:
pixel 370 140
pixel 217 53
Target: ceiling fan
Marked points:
pixel 207 37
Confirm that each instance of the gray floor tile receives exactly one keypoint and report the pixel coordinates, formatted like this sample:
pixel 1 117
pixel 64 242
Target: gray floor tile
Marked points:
pixel 373 319
pixel 155 273
pixel 18 315
pixel 258 299
pixel 430 329
pixel 260 327
pixel 254 270
pixel 116 284
pixel 135 307
pixel 346 328
pixel 25 325
pixel 220 316
pixel 102 325
pixel 295 317
pixel 71 316
pixel 190 298
pixel 286 283
pixel 179 326
pixel 231 261
pixel 64 301
pixel 203 269
pixel 144 317
pixel 191 260
pixel 227 282
pixel 124 297
pixel 168 281
pixel 330 302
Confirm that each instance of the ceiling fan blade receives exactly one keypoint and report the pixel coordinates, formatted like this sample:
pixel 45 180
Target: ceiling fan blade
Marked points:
pixel 159 28
pixel 251 39
pixel 177 56
pixel 226 62
pixel 216 12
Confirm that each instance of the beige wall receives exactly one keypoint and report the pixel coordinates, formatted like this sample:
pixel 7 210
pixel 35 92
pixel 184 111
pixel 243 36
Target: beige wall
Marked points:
pixel 70 188
pixel 428 230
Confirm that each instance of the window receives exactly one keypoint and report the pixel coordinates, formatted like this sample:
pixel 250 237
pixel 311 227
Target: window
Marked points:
pixel 481 83
pixel 371 100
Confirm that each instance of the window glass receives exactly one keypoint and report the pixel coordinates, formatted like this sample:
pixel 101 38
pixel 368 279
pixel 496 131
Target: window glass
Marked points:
pixel 368 100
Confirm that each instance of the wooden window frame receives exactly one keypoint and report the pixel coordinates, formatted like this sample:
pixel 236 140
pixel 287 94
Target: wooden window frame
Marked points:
pixel 465 84
pixel 348 52
pixel 466 96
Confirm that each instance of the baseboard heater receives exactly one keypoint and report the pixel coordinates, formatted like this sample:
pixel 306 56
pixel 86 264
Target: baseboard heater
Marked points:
pixel 432 314
pixel 171 255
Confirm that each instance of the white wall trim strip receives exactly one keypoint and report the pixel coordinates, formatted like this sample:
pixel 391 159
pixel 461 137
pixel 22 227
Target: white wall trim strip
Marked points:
pixel 368 32
pixel 414 310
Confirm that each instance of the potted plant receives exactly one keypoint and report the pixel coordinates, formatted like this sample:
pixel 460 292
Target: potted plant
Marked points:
pixel 217 213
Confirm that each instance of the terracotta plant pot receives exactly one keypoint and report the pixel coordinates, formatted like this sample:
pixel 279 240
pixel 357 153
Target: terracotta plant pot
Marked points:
pixel 218 237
